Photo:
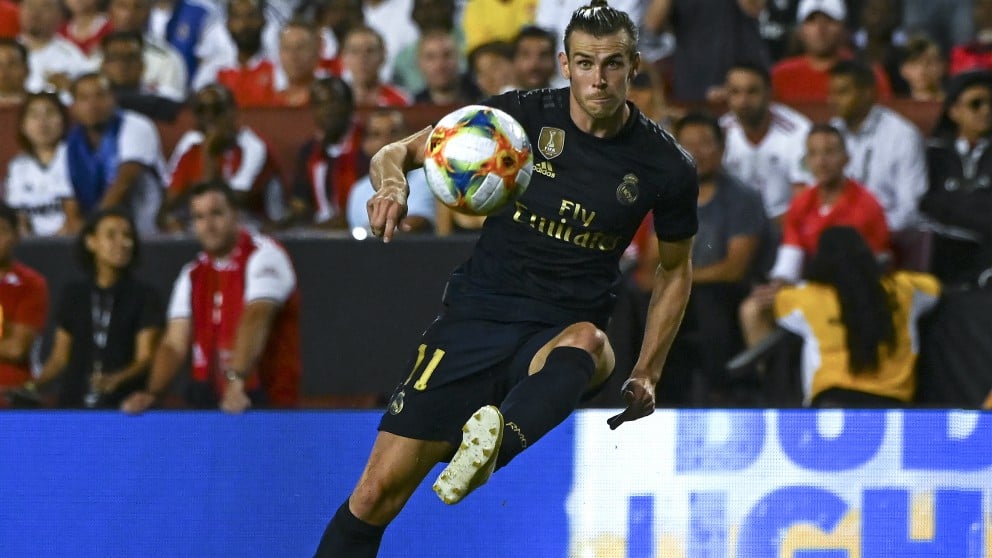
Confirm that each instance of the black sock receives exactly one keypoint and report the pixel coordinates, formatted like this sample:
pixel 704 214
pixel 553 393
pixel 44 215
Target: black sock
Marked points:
pixel 347 536
pixel 542 400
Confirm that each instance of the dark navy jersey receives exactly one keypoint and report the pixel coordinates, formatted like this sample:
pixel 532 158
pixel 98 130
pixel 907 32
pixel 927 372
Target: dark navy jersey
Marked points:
pixel 553 255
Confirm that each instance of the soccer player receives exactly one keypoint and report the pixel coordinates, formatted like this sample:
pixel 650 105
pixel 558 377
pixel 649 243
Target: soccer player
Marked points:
pixel 520 339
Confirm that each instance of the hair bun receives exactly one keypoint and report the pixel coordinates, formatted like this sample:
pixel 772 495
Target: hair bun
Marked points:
pixel 598 4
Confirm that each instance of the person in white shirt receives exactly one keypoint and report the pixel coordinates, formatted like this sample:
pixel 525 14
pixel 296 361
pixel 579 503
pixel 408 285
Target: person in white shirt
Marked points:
pixel 115 156
pixel 765 141
pixel 38 185
pixel 53 61
pixel 165 70
pixel 887 151
pixel 384 126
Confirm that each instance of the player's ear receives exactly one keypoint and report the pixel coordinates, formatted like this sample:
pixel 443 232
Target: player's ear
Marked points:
pixel 563 64
pixel 635 65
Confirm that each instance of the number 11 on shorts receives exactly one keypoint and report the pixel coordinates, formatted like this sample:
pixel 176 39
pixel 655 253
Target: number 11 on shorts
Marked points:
pixel 436 357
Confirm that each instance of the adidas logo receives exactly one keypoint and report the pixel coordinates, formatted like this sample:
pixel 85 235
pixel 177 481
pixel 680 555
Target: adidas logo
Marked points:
pixel 545 168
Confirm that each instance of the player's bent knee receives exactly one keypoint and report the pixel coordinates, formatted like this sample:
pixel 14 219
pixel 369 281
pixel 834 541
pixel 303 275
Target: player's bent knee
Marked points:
pixel 585 336
pixel 378 501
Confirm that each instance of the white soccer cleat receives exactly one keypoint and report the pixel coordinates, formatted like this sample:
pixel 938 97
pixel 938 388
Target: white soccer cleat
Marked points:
pixel 473 463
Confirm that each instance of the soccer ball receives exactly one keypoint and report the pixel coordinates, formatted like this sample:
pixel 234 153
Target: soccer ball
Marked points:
pixel 477 159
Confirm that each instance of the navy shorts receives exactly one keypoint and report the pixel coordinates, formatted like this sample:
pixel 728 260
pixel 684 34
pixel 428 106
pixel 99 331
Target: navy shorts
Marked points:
pixel 462 364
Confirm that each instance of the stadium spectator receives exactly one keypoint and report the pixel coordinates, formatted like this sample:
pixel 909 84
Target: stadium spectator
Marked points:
pixel 330 163
pixel 535 64
pixel 10 25
pixel 777 22
pixel 648 92
pixel 732 227
pixel 444 85
pixel 894 171
pixel 491 65
pixel 487 21
pixel 393 21
pixel 23 306
pixel 115 156
pixel 221 149
pixel 165 70
pixel 833 200
pixel 52 60
pixel 858 324
pixel 106 325
pixel 236 306
pixel 806 78
pixel 429 16
pixel 923 68
pixel 881 41
pixel 362 56
pixel 384 126
pixel 765 140
pixel 38 185
pixel 699 62
pixel 87 24
pixel 949 22
pixel 122 63
pixel 334 19
pixel 975 54
pixel 250 73
pixel 13 72
pixel 192 27
pixel 958 202
pixel 299 59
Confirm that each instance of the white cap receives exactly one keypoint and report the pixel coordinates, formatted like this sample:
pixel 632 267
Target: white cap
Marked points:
pixel 833 8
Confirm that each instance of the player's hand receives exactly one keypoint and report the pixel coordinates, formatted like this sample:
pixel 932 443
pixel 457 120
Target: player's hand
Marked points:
pixel 138 403
pixel 639 394
pixel 235 399
pixel 387 208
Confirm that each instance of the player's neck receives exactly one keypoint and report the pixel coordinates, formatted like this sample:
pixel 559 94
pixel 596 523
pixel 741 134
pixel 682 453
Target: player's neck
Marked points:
pixel 598 127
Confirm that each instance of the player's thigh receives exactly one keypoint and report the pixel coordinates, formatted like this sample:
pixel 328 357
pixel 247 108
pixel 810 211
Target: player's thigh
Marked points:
pixel 583 335
pixel 396 467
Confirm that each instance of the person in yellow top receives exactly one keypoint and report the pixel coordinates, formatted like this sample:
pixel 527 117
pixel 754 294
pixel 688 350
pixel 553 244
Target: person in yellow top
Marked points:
pixel 858 324
pixel 485 21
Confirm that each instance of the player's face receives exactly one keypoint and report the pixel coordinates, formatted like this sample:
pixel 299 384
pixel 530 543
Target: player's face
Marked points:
pixel 826 157
pixel 747 96
pixel 215 223
pixel 972 112
pixel 700 141
pixel 112 243
pixel 43 125
pixel 599 70
pixel 847 100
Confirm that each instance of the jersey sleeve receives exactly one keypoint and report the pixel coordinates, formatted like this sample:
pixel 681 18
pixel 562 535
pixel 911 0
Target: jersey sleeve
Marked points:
pixel 269 275
pixel 675 215
pixel 181 302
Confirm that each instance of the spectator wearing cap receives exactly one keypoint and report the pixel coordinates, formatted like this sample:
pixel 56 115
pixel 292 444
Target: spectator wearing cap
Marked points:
pixel 977 53
pixel 958 202
pixel 885 149
pixel 805 78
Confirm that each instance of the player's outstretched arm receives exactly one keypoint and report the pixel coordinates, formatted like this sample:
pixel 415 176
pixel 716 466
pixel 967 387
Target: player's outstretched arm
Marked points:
pixel 672 283
pixel 387 171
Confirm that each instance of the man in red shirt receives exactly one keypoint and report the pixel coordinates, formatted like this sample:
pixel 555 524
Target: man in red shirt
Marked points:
pixel 362 56
pixel 835 200
pixel 23 306
pixel 237 307
pixel 220 149
pixel 806 78
pixel 10 23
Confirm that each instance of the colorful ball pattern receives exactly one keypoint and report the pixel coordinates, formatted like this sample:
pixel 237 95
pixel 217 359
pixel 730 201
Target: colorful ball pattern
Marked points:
pixel 477 159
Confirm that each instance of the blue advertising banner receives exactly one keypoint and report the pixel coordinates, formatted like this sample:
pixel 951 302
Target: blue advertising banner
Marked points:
pixel 679 484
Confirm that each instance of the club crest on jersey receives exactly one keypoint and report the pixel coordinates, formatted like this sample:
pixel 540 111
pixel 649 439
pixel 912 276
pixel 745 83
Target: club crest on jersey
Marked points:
pixel 551 142
pixel 627 190
pixel 396 402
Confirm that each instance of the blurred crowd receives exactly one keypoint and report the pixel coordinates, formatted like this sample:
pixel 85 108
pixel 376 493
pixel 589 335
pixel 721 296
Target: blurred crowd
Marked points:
pixel 93 81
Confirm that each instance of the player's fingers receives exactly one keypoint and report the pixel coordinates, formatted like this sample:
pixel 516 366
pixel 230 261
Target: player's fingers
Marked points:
pixel 617 420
